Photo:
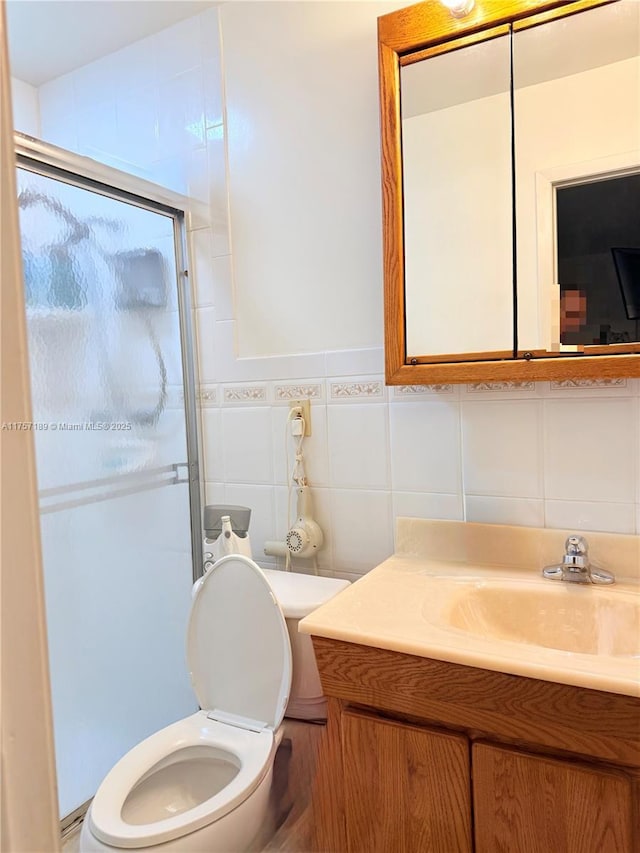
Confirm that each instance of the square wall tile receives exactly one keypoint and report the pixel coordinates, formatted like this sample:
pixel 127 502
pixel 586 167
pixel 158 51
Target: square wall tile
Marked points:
pixel 209 24
pixel 200 249
pixel 180 113
pixel 212 448
pixel 501 448
pixel 212 82
pixel 524 512
pixel 178 47
pixel 171 172
pixel 361 528
pixel 97 128
pixel 354 362
pixel 586 515
pixel 222 283
pixel 137 115
pixel 213 493
pixel 206 334
pixel 197 174
pixel 56 98
pixel 247 445
pixel 217 168
pixel 358 446
pixel 423 505
pixel 591 449
pixel 60 129
pixel 425 446
pixel 135 65
pixel 96 82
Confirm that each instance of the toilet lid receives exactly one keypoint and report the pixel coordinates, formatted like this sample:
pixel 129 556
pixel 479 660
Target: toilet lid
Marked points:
pixel 238 649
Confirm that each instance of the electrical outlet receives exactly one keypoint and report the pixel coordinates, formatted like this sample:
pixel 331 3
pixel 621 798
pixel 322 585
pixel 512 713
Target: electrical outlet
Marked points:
pixel 303 408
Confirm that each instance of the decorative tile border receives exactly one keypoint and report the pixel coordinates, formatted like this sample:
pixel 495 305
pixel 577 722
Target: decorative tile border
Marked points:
pixel 480 387
pixel 206 397
pixel 405 391
pixel 298 392
pixel 563 384
pixel 245 394
pixel 356 390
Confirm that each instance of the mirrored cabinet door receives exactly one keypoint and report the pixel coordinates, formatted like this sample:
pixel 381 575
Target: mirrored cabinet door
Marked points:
pixel 456 162
pixel 577 157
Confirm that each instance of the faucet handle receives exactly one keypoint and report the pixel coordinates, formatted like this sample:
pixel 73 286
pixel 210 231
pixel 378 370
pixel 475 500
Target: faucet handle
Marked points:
pixel 576 546
pixel 576 554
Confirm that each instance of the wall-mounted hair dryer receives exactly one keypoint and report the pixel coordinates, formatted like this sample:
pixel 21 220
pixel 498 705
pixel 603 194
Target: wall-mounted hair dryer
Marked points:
pixel 305 538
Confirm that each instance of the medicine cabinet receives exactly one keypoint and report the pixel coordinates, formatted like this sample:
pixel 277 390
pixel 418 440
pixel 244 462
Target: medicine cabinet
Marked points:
pixel 511 191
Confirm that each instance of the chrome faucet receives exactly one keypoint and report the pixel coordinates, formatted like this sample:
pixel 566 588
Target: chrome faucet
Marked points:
pixel 575 566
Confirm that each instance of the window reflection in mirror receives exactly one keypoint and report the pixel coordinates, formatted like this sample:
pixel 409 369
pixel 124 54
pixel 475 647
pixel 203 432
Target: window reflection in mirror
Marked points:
pixel 577 132
pixel 456 155
pixel 598 261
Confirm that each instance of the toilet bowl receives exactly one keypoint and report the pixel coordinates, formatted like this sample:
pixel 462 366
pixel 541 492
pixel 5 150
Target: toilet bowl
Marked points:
pixel 203 783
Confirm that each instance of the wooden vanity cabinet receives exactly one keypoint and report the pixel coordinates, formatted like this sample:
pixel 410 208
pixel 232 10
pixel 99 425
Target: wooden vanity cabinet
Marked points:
pixel 407 788
pixel 536 804
pixel 423 755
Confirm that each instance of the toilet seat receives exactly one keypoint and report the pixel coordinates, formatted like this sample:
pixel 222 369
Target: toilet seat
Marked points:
pixel 239 660
pixel 252 751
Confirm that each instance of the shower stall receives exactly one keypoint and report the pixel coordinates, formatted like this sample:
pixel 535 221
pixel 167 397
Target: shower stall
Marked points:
pixel 113 397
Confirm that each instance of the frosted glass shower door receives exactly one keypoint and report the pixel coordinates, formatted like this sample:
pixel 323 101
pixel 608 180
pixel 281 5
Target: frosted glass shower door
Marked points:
pixel 111 445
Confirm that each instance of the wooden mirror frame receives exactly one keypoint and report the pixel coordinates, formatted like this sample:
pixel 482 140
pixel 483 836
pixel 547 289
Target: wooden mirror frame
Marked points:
pixel 406 36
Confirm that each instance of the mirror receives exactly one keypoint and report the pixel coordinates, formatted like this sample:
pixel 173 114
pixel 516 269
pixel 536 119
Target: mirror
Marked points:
pixel 511 194
pixel 456 152
pixel 577 130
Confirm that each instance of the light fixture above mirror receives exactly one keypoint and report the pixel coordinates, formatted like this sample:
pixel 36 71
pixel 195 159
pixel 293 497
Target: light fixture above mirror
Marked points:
pixel 458 8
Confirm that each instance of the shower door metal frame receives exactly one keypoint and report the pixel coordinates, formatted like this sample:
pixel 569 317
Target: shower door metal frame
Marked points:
pixel 53 162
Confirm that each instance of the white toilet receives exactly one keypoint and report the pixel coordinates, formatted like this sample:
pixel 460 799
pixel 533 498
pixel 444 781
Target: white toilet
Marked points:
pixel 298 596
pixel 203 783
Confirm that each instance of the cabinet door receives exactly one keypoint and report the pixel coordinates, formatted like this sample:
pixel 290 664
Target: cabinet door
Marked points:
pixel 532 804
pixel 407 789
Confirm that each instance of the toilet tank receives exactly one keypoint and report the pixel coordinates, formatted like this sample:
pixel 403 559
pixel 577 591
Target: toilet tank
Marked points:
pixel 298 595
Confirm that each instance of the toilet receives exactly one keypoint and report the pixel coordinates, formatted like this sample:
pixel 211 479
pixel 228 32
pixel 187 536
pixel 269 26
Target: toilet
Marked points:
pixel 298 596
pixel 203 783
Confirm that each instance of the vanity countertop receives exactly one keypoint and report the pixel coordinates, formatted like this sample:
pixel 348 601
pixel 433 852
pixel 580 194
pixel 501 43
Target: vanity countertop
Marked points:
pixel 435 600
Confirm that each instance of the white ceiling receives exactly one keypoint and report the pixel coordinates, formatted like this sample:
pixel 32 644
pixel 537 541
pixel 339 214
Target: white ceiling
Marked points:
pixel 48 38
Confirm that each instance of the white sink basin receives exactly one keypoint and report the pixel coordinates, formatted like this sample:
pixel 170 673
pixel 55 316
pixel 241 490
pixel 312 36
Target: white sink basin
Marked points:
pixel 445 599
pixel 583 619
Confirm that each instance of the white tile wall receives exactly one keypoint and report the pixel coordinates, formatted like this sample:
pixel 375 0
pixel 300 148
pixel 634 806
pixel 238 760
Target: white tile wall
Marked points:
pixel 585 443
pixel 26 107
pixel 519 464
pixel 425 447
pixel 563 455
pixel 501 448
pixel 354 432
pixel 246 436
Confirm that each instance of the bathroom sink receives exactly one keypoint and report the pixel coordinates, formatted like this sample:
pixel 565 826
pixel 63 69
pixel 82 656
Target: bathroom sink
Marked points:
pixel 563 616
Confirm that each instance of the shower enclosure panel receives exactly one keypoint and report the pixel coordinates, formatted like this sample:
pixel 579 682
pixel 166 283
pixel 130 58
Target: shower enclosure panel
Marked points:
pixel 104 320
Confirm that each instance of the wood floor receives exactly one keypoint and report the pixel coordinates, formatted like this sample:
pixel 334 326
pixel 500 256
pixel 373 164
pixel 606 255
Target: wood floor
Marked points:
pixel 293 773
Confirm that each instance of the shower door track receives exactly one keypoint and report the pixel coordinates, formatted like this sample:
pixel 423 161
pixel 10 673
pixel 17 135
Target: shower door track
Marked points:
pixel 41 157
